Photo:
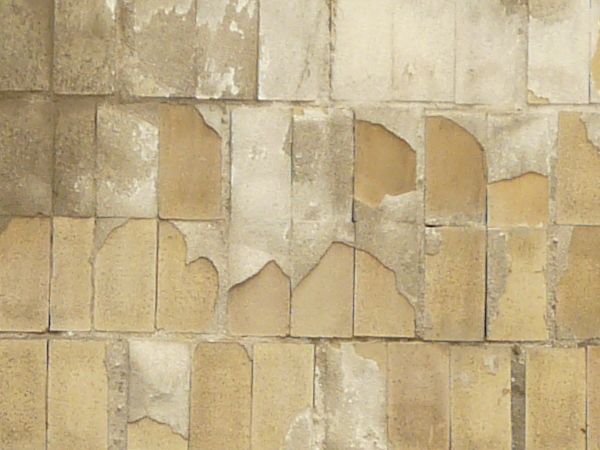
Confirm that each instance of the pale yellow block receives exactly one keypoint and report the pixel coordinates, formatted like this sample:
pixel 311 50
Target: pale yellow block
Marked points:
pixel 146 434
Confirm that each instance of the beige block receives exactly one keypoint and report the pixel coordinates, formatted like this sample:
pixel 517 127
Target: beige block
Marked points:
pixel 26 134
pixel 221 402
pixel 71 286
pixel 26 51
pixel 578 284
pixel 480 397
pixel 555 398
pixel 125 275
pixel 84 46
pixel 418 396
pixel 593 398
pixel 379 309
pixel 189 179
pixel 25 277
pixel 516 280
pixel 595 51
pixel 455 174
pixel 577 169
pixel 282 389
pixel 322 302
pixel 294 49
pixel 127 162
pixel 519 201
pixel 260 306
pixel 147 434
pixel 454 283
pixel 558 51
pixel 23 399
pixel 187 291
pixel 75 159
pixel 227 49
pixel 77 395
pixel 491 49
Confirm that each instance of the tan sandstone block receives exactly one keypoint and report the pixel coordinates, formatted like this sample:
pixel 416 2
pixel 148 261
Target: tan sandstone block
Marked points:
pixel 593 397
pixel 577 169
pixel 454 283
pixel 558 52
pixel 261 305
pixel 480 397
pixel 77 395
pixel 147 434
pixel 227 40
pixel 26 130
pixel 418 396
pixel 71 286
pixel 187 291
pixel 221 401
pixel 516 280
pixel 518 201
pixel 125 275
pixel 75 159
pixel 23 399
pixel 282 389
pixel 189 179
pixel 26 36
pixel 455 174
pixel 294 49
pixel 555 398
pixel 578 284
pixel 322 302
pixel 379 309
pixel 84 46
pixel 25 277
pixel 127 165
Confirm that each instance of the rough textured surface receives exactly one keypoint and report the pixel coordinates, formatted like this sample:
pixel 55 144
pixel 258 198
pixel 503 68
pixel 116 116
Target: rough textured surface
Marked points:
pixel 593 398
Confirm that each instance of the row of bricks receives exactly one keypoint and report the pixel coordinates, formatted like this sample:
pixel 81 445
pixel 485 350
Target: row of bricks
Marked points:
pixel 494 52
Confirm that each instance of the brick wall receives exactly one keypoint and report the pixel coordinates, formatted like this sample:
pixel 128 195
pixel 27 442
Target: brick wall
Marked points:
pixel 299 224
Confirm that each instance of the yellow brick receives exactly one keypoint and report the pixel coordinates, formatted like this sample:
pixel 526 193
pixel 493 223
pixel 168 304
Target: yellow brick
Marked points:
pixel 480 397
pixel 146 434
pixel 518 201
pixel 77 395
pixel 71 290
pixel 23 398
pixel 221 397
pixel 282 390
pixel 555 398
pixel 593 398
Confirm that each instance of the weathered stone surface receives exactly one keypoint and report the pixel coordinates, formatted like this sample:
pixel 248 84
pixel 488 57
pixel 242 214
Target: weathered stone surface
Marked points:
pixel 593 397
pixel 322 165
pixel 261 305
pixel 595 51
pixel 418 396
pixel 127 161
pixel 279 368
pixel 516 285
pixel 379 309
pixel 77 395
pixel 75 159
pixel 577 284
pixel 84 46
pixel 25 277
pixel 454 283
pixel 125 275
pixel 159 382
pixel 23 399
pixel 491 52
pixel 558 53
pixel 187 290
pixel 294 49
pixel 519 201
pixel 190 163
pixel 26 51
pixel 455 174
pixel 555 398
pixel 480 397
pixel 221 402
pixel 351 395
pixel 147 434
pixel 577 169
pixel 71 286
pixel 322 302
pixel 227 39
pixel 413 58
pixel 26 133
